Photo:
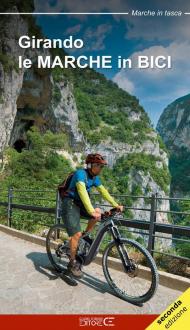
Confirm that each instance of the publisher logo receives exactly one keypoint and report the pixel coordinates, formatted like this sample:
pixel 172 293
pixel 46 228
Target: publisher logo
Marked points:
pixel 107 321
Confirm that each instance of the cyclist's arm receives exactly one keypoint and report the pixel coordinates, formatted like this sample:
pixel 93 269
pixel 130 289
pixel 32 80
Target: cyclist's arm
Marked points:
pixel 106 195
pixel 81 188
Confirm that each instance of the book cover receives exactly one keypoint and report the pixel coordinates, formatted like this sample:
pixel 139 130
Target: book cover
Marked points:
pixel 94 164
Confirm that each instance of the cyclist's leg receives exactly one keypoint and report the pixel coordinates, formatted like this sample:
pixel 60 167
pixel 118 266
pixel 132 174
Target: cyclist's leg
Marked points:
pixel 71 218
pixel 74 244
pixel 91 224
pixel 91 221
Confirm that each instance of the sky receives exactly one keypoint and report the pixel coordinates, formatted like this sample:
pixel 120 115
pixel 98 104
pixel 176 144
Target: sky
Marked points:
pixel 129 36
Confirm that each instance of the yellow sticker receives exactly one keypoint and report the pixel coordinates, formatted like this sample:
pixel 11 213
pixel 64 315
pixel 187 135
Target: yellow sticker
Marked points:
pixel 176 316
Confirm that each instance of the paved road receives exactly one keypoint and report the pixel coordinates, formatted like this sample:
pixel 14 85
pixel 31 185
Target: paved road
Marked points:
pixel 28 284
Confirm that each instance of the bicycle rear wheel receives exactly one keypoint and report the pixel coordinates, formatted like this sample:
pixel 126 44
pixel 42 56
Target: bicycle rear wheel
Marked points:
pixel 57 246
pixel 140 283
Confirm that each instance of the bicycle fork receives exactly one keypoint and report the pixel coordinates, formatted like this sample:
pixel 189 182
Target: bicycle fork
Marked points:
pixel 121 248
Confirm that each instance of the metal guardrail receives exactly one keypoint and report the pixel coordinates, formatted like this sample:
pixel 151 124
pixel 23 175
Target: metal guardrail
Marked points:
pixel 151 226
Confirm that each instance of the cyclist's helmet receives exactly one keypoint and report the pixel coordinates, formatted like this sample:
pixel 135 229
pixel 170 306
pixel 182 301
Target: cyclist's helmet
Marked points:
pixel 95 158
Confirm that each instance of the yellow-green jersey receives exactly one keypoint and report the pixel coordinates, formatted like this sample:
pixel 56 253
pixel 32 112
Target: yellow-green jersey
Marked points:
pixel 80 187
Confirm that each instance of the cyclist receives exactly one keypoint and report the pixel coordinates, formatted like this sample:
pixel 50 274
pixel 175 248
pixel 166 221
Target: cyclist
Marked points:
pixel 77 204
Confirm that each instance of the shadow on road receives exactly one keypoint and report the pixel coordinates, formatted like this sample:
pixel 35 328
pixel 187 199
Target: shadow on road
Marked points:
pixel 42 265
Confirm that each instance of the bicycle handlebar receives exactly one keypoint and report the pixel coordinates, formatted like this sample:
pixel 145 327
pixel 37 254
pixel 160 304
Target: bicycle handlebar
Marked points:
pixel 110 213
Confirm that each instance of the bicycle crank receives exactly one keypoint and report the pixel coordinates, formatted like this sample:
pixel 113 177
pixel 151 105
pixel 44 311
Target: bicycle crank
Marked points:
pixel 62 250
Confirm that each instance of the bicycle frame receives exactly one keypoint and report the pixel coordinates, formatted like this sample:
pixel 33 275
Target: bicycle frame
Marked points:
pixel 104 227
pixel 109 223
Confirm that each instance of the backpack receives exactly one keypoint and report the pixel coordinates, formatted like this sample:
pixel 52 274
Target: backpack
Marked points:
pixel 63 187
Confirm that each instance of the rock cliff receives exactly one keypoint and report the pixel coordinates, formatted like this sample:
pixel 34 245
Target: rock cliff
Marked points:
pixel 174 127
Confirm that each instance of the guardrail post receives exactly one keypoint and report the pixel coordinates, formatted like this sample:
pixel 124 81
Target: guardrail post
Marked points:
pixel 57 213
pixel 151 239
pixel 9 207
pixel 57 208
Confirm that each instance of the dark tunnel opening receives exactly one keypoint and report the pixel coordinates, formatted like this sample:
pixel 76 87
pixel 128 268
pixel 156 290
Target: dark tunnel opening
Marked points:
pixel 19 145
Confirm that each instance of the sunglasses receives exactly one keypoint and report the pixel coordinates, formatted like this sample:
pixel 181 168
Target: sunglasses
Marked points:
pixel 99 165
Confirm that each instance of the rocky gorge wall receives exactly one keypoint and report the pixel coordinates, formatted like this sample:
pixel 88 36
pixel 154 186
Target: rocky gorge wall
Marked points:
pixel 174 127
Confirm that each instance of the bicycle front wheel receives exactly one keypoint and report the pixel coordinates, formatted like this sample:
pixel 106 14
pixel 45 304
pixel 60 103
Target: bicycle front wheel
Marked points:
pixel 138 284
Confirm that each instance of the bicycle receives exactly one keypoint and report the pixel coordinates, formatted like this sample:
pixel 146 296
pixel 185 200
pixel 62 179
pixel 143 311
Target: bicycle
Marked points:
pixel 128 267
